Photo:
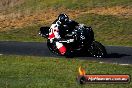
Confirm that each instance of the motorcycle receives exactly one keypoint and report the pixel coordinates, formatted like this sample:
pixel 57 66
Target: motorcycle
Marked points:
pixel 84 42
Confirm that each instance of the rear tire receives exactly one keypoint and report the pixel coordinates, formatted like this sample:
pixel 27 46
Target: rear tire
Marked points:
pixel 97 50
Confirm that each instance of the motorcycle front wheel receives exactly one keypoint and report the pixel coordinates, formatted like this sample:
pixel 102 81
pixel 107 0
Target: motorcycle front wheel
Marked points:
pixel 52 47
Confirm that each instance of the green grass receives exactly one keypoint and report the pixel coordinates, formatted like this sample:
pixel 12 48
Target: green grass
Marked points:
pixel 29 33
pixel 109 30
pixel 47 72
pixel 71 4
pixel 82 4
pixel 35 5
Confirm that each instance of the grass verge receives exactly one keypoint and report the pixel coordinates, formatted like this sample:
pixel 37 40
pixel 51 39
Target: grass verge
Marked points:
pixel 34 5
pixel 29 33
pixel 47 72
pixel 109 30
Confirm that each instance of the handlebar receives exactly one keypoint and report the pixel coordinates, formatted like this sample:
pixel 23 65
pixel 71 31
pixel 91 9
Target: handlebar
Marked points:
pixel 67 41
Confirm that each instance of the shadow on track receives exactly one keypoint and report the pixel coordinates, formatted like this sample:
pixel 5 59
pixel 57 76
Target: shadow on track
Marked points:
pixel 116 55
pixel 109 55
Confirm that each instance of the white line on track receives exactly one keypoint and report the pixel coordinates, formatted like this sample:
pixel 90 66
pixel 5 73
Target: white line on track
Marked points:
pixel 124 64
pixel 101 62
pixel 1 54
pixel 117 64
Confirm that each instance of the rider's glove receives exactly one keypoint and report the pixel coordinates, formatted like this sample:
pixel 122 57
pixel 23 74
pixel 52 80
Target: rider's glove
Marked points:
pixel 51 40
pixel 81 25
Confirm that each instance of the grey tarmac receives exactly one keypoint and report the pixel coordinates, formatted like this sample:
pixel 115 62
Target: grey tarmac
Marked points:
pixel 116 54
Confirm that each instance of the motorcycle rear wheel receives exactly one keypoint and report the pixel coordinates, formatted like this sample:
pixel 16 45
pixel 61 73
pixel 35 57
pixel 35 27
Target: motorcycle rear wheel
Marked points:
pixel 97 50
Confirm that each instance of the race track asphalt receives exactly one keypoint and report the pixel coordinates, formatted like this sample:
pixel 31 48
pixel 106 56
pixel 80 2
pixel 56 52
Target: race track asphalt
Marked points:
pixel 116 54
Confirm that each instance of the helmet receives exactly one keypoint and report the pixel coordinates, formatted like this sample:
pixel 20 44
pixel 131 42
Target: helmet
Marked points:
pixel 63 18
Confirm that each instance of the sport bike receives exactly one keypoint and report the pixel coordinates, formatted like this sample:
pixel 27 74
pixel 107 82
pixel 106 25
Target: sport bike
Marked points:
pixel 83 42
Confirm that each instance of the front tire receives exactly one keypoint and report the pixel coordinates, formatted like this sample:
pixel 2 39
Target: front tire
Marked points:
pixel 52 47
pixel 97 50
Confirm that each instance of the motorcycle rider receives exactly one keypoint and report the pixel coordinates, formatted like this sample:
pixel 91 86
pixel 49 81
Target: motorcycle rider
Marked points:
pixel 59 28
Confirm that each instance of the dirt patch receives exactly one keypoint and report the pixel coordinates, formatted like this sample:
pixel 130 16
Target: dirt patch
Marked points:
pixel 18 20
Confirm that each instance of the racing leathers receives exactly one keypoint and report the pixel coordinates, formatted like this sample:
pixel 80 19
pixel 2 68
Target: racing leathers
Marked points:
pixel 58 31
